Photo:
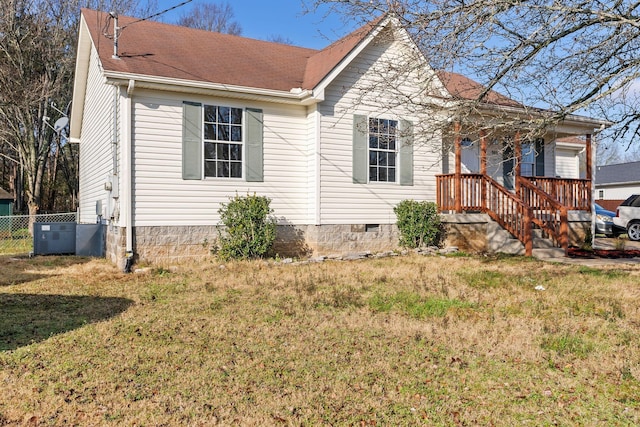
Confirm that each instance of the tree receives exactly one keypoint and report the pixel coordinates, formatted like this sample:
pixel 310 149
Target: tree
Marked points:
pixel 279 38
pixel 37 60
pixel 574 56
pixel 211 17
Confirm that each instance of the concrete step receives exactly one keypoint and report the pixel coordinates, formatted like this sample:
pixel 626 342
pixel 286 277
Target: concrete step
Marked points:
pixel 541 243
pixel 538 233
pixel 548 253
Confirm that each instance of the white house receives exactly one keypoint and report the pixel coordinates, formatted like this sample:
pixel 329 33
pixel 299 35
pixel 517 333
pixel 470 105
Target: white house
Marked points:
pixel 174 121
pixel 614 183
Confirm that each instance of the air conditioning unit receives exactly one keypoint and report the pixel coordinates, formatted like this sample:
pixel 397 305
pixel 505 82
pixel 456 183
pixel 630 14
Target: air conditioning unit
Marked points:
pixel 54 238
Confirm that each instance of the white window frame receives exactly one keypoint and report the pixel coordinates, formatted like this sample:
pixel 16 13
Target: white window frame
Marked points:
pixel 217 142
pixel 375 138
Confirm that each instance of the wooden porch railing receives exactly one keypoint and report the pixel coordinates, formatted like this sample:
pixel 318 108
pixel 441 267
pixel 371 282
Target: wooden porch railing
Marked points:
pixel 510 212
pixel 547 213
pixel 471 187
pixel 482 193
pixel 575 194
pixel 517 212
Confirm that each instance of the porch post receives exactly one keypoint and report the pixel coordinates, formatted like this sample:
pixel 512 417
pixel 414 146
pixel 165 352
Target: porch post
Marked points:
pixel 483 168
pixel 458 173
pixel 589 169
pixel 517 149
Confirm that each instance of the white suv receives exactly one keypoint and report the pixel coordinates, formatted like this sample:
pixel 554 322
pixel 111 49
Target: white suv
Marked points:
pixel 628 216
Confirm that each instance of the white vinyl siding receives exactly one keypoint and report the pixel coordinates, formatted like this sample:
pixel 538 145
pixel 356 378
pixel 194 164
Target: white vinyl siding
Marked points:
pixel 95 144
pixel 342 200
pixel 618 191
pixel 162 197
pixel 567 164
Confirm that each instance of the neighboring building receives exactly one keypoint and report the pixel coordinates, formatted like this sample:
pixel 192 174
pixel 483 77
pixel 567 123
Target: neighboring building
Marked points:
pixel 614 183
pixel 180 120
pixel 6 203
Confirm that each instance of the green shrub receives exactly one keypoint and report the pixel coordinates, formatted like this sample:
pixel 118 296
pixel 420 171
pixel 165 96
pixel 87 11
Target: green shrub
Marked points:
pixel 419 223
pixel 249 231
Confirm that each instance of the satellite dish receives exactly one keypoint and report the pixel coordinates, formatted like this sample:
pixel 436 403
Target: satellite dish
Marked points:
pixel 60 124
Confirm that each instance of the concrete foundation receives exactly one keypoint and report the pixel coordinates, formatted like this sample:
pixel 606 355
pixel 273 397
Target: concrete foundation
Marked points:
pixel 478 233
pixel 469 232
pixel 169 244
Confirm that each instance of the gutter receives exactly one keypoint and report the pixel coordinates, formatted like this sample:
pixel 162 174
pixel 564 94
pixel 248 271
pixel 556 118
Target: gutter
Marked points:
pixel 293 96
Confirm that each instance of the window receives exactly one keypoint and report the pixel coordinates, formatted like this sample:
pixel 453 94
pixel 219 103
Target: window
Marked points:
pixel 222 142
pixel 382 150
pixel 600 194
pixel 528 165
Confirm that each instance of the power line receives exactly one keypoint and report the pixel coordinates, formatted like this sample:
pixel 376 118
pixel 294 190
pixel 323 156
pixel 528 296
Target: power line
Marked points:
pixel 158 14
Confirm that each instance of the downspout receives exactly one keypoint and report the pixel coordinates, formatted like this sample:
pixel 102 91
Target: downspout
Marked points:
pixel 317 166
pixel 127 155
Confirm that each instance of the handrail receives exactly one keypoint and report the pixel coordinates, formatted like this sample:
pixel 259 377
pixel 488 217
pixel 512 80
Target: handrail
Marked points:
pixel 547 212
pixel 575 194
pixel 510 212
pixel 515 213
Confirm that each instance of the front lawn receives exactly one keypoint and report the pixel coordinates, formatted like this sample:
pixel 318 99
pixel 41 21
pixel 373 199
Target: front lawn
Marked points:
pixel 395 341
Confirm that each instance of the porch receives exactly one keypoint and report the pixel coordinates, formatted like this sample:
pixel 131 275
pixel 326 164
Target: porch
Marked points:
pixel 533 202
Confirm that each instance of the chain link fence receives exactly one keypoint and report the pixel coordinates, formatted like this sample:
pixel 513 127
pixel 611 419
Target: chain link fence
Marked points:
pixel 16 234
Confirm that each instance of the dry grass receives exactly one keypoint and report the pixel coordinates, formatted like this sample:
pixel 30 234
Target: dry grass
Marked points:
pixel 396 341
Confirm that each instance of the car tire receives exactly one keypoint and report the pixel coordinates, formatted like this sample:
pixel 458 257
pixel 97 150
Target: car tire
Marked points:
pixel 633 231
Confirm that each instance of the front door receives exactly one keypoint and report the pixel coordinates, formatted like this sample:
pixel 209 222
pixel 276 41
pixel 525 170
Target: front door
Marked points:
pixel 470 158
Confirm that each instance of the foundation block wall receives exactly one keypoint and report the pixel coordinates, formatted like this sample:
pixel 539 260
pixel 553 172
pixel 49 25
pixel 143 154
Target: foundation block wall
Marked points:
pixel 474 232
pixel 169 244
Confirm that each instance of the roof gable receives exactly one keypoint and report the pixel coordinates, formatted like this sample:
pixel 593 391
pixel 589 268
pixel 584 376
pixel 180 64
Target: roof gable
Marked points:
pixel 324 61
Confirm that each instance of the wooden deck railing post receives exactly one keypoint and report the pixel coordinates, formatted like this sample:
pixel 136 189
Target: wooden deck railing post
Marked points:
pixel 483 169
pixel 564 230
pixel 517 148
pixel 458 179
pixel 589 170
pixel 528 231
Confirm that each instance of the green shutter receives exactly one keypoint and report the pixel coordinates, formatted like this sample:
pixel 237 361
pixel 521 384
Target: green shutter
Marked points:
pixel 406 152
pixel 191 140
pixel 539 157
pixel 254 171
pixel 360 157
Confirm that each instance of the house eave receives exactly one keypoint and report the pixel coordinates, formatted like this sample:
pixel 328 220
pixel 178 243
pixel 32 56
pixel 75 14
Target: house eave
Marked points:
pixel 295 96
pixel 570 119
pixel 616 184
pixel 80 80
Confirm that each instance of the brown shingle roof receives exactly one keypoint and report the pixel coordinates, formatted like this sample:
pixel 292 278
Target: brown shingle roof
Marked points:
pixel 155 49
pixel 321 64
pixel 4 195
pixel 174 52
pixel 462 87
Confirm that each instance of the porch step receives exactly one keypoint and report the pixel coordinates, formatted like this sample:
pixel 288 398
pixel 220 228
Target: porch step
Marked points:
pixel 500 240
pixel 548 253
pixel 542 243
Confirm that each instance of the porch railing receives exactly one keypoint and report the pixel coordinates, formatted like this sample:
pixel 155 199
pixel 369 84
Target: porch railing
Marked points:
pixel 483 194
pixel 510 212
pixel 547 213
pixel 575 194
pixel 471 192
pixel 517 212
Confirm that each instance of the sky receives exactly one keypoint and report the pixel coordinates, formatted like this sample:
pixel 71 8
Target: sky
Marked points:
pixel 264 19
